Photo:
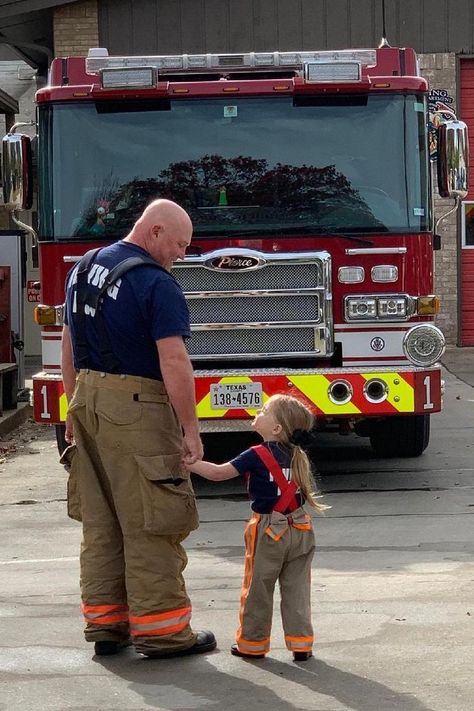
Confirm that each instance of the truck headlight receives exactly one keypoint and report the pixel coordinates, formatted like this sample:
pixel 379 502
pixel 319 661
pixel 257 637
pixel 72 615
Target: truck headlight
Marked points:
pixel 424 344
pixel 360 307
pixel 385 307
pixel 392 306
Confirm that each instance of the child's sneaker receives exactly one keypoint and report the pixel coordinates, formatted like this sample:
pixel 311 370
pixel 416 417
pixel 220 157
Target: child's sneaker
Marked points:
pixel 237 653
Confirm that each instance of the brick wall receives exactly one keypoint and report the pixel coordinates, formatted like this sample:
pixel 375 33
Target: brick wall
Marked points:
pixel 440 71
pixel 76 28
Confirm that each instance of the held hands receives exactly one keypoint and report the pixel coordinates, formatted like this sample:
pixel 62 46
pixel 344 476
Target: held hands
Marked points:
pixel 192 450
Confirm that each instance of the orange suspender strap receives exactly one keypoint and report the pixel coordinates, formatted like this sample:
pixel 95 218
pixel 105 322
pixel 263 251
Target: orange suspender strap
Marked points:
pixel 288 488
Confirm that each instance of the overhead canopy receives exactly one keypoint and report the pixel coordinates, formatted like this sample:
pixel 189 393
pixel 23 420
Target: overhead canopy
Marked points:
pixel 26 26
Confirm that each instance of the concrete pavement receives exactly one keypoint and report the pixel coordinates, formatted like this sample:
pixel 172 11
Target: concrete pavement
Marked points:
pixel 392 592
pixel 460 362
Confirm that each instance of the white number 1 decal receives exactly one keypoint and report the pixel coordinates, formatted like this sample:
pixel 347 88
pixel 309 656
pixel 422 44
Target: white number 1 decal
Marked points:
pixel 46 415
pixel 427 383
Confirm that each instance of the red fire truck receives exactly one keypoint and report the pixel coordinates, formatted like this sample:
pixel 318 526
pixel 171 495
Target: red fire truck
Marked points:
pixel 307 177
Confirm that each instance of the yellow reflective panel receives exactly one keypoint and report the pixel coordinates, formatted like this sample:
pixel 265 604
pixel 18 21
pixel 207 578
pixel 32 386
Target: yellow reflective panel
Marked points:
pixel 401 395
pixel 62 407
pixel 315 388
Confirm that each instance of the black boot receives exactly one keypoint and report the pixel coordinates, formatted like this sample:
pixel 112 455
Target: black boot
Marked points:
pixel 106 647
pixel 205 642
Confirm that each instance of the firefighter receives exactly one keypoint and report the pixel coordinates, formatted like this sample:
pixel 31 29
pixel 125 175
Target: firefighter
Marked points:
pixel 279 538
pixel 130 388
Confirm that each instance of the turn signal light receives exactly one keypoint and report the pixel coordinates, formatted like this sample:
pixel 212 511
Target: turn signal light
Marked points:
pixel 49 315
pixel 427 305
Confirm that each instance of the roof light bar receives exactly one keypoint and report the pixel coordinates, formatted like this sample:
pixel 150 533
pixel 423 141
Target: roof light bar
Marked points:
pixel 98 60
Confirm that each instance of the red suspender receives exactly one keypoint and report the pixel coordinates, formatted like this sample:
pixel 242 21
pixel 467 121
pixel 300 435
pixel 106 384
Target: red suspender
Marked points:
pixel 288 489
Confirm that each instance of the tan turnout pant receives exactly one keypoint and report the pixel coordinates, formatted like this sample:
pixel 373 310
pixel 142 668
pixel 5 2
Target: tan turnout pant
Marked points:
pixel 277 548
pixel 137 506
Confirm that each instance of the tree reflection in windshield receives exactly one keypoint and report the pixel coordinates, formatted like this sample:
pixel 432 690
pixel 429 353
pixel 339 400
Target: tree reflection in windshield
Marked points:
pixel 225 194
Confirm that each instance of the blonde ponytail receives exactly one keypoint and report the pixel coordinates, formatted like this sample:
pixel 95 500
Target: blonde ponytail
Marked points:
pixel 296 422
pixel 302 475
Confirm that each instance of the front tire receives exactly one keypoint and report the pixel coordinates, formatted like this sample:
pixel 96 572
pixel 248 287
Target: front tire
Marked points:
pixel 404 436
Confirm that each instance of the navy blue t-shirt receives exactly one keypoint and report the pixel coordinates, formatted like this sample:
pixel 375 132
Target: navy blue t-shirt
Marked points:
pixel 262 489
pixel 144 305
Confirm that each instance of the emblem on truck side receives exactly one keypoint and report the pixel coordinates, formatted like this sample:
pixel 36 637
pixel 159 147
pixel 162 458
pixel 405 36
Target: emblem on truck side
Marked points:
pixel 234 262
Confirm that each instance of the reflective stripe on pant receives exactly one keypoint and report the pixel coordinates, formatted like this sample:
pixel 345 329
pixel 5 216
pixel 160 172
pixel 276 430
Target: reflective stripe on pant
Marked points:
pixel 125 561
pixel 288 560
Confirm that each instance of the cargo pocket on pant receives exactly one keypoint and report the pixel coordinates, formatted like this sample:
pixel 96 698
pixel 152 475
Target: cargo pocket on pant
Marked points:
pixel 70 460
pixel 169 504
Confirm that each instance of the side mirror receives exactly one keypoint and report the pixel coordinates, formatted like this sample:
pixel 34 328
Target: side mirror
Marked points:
pixel 17 173
pixel 453 160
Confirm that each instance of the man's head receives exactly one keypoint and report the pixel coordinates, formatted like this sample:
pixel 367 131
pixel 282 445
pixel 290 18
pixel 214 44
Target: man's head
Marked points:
pixel 164 230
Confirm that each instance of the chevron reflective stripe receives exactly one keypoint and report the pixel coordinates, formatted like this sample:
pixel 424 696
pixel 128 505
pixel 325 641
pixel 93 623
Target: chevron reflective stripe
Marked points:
pixel 299 644
pixel 62 407
pixel 160 624
pixel 105 614
pixel 401 389
pixel 400 393
pixel 314 389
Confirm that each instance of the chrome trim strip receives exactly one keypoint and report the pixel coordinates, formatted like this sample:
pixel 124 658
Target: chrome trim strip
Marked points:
pixel 269 292
pixel 356 370
pixel 254 356
pixel 254 324
pixel 376 250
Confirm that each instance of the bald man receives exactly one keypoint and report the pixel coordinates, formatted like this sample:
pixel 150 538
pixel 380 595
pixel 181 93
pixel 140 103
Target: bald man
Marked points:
pixel 132 416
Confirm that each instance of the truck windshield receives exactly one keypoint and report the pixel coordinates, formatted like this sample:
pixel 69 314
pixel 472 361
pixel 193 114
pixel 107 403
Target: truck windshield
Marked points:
pixel 276 165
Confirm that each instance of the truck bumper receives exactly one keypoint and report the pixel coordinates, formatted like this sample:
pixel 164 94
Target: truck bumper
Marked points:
pixel 333 393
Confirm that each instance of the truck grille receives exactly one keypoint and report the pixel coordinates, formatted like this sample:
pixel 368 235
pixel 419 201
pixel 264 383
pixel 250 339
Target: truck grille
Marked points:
pixel 264 309
pixel 280 307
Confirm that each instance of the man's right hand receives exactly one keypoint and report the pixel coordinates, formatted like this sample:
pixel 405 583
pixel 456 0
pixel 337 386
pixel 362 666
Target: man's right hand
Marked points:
pixel 193 449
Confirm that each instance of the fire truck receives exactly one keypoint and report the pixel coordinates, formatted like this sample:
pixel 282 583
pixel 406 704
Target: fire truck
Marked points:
pixel 307 176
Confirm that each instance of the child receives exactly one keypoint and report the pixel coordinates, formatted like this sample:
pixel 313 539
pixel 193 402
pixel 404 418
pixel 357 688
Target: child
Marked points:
pixel 279 538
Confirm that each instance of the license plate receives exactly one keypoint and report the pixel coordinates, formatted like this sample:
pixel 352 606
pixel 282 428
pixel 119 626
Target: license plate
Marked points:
pixel 225 396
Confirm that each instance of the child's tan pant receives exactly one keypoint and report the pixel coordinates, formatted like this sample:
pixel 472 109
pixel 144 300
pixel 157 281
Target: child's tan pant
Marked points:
pixel 277 547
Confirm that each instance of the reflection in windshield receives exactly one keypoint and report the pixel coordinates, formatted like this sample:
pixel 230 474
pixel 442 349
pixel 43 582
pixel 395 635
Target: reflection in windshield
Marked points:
pixel 260 165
